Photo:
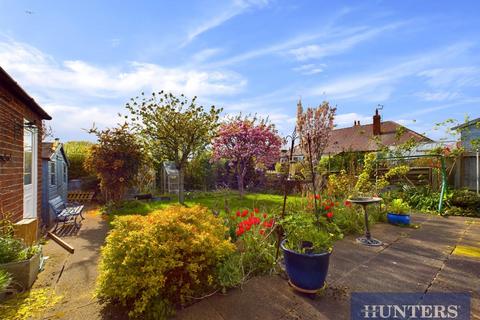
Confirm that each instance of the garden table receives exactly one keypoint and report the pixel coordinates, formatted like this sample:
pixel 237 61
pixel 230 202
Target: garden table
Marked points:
pixel 364 202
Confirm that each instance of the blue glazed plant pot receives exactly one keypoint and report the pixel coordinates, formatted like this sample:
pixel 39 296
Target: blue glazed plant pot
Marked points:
pixel 306 271
pixel 395 218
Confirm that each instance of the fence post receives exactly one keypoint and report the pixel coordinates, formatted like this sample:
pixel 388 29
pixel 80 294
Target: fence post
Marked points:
pixel 444 184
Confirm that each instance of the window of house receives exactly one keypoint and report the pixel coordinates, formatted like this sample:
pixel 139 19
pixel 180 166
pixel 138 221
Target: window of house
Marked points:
pixel 53 178
pixel 64 172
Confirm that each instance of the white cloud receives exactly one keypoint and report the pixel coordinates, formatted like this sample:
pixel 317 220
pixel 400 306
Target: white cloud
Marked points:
pixel 377 85
pixel 205 54
pixel 238 7
pixel 438 95
pixel 347 119
pixel 328 31
pixel 456 76
pixel 341 44
pixel 77 93
pixel 309 69
pixel 41 72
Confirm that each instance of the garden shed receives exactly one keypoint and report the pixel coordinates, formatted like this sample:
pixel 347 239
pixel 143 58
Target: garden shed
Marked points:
pixel 55 176
pixel 170 177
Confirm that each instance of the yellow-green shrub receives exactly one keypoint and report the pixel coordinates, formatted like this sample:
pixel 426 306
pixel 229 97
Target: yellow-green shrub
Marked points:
pixel 164 258
pixel 340 185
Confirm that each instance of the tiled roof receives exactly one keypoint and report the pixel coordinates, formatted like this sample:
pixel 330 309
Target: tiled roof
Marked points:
pixel 361 138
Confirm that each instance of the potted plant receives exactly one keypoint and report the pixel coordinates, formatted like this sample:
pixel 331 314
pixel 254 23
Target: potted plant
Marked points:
pixel 398 212
pixel 309 235
pixel 5 280
pixel 20 261
pixel 307 247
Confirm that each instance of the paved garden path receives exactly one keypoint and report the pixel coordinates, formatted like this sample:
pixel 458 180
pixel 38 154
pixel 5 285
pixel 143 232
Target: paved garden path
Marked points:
pixel 434 257
pixel 73 275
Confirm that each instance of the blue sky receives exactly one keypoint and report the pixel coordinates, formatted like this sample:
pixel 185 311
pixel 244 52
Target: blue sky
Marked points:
pixel 83 60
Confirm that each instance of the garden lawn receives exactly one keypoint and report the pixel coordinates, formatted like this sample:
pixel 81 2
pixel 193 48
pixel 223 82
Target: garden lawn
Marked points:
pixel 216 201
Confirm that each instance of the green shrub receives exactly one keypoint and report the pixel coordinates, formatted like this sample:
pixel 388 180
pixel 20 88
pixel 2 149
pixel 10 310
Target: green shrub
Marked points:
pixel 10 249
pixel 303 226
pixel 398 206
pixel 422 198
pixel 162 260
pixel 5 280
pixel 465 199
pixel 464 212
pixel 77 152
pixel 255 239
pixel 349 220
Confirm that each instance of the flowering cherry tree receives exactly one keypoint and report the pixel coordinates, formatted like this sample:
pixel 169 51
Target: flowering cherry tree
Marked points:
pixel 242 140
pixel 314 127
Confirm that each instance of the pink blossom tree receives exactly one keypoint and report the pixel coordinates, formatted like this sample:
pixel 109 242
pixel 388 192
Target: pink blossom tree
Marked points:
pixel 314 127
pixel 243 140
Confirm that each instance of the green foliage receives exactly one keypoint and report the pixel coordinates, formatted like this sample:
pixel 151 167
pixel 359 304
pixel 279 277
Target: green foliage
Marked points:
pixel 422 198
pixel 465 199
pixel 464 212
pixel 256 255
pixel 340 185
pixel 10 249
pixel 231 272
pixel 301 226
pixel 29 305
pixel 174 128
pixel 76 153
pixel 397 171
pixel 200 173
pixel 170 255
pixel 281 167
pixel 349 220
pixel 5 280
pixel 115 159
pixel 398 206
pixel 364 185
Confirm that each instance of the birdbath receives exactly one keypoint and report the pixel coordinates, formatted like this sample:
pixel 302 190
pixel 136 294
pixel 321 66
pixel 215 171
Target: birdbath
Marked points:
pixel 364 202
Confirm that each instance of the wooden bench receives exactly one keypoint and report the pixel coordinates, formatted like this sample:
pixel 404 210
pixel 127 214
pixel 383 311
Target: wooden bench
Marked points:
pixel 66 212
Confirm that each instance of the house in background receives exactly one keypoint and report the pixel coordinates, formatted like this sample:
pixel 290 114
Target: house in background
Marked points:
pixel 364 138
pixel 369 137
pixel 20 157
pixel 55 177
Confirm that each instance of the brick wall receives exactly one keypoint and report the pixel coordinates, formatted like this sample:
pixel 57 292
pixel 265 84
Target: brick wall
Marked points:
pixel 12 114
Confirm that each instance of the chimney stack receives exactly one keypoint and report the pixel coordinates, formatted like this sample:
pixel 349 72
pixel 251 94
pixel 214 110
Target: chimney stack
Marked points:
pixel 377 127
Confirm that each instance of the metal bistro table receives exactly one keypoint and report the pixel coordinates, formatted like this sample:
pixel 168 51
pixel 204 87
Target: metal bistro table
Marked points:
pixel 364 202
